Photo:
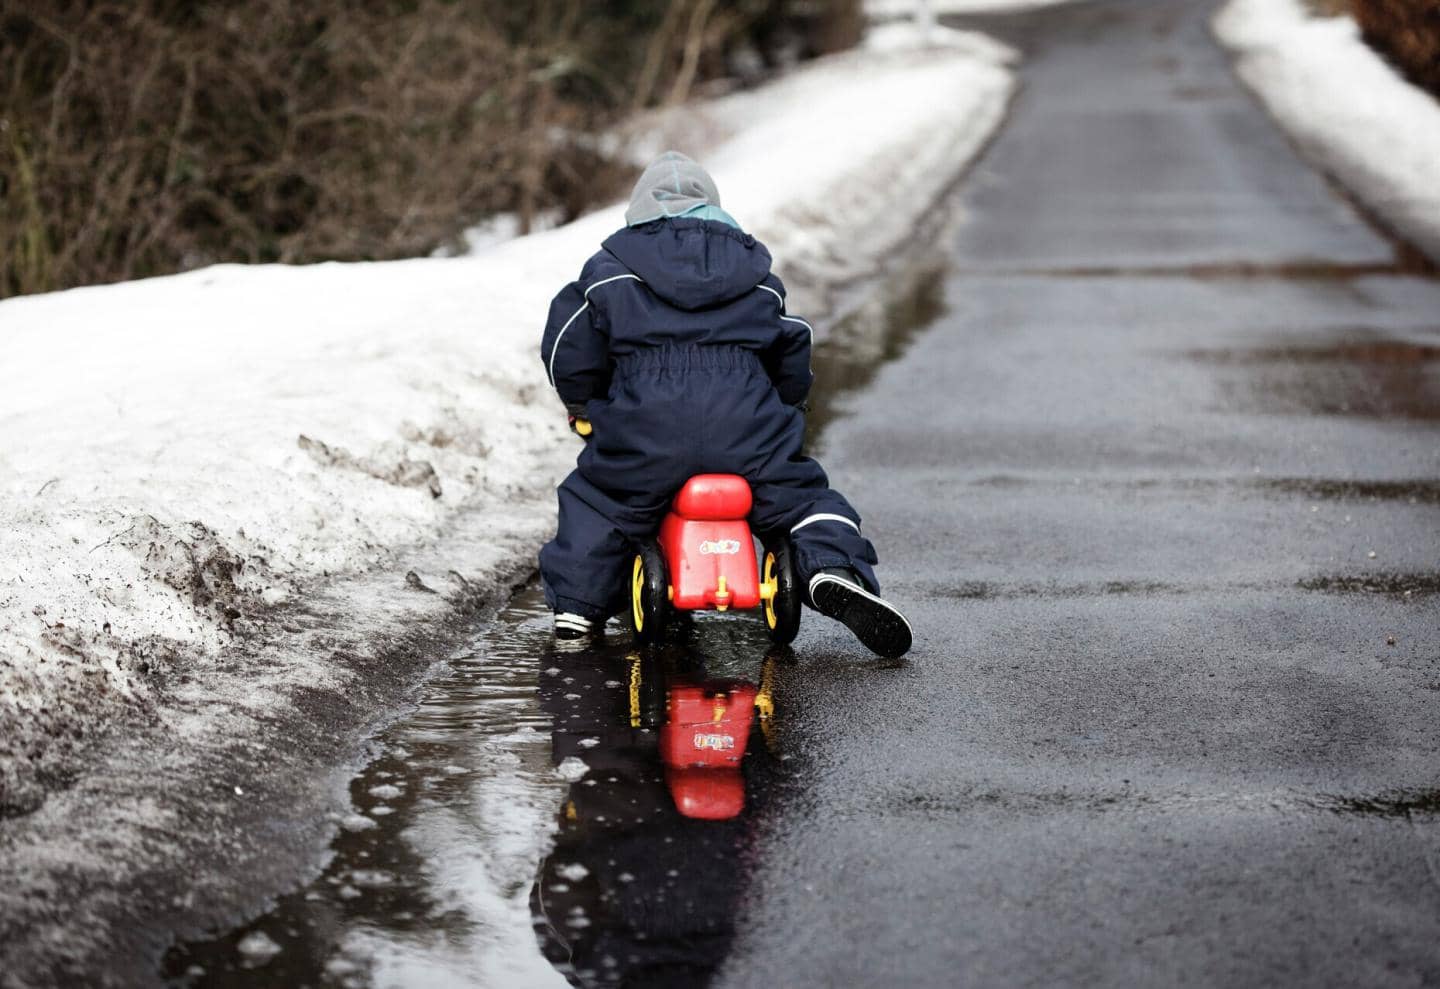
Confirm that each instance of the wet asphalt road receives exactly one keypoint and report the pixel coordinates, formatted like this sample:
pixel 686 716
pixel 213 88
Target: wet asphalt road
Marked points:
pixel 1156 489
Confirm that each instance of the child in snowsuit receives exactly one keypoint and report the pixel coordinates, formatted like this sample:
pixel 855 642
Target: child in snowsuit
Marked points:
pixel 676 347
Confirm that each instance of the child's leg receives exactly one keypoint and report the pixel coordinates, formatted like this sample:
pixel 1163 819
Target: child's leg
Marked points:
pixel 832 558
pixel 617 494
pixel 823 527
pixel 793 495
pixel 583 567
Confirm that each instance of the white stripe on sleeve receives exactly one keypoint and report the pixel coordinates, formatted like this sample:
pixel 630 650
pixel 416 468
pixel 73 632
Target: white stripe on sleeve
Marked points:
pixel 824 517
pixel 550 365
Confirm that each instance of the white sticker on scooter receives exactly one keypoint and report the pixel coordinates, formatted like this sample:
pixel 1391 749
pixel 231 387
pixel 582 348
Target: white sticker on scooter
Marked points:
pixel 720 547
pixel 720 743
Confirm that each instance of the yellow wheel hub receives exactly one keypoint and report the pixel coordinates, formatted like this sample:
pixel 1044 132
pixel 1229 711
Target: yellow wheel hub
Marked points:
pixel 769 587
pixel 637 589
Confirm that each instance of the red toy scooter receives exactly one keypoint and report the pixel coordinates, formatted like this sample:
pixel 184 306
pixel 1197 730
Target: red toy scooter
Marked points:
pixel 705 726
pixel 704 559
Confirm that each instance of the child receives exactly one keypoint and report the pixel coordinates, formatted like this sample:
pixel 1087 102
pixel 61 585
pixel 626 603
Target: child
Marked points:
pixel 675 345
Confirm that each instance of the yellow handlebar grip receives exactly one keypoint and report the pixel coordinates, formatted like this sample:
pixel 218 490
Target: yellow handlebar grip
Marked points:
pixel 583 427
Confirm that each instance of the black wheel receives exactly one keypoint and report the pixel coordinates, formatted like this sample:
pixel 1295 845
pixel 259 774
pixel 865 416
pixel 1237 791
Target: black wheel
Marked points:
pixel 649 594
pixel 780 592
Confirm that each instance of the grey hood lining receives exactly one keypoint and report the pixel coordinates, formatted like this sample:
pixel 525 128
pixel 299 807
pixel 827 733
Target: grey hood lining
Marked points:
pixel 670 185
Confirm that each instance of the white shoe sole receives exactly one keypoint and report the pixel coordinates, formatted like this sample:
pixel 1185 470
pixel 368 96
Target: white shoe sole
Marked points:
pixel 876 622
pixel 569 628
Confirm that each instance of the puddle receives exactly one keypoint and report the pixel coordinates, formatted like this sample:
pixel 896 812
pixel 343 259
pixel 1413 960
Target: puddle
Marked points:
pixel 876 332
pixel 1399 585
pixel 1370 352
pixel 979 590
pixel 1403 585
pixel 433 879
pixel 1402 804
pixel 447 821
pixel 651 862
pixel 1414 491
pixel 1379 378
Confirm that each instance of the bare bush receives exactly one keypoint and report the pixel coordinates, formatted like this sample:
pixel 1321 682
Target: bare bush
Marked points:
pixel 146 136
pixel 151 136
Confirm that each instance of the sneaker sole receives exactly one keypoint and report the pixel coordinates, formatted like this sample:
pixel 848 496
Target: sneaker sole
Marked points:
pixel 875 622
pixel 569 629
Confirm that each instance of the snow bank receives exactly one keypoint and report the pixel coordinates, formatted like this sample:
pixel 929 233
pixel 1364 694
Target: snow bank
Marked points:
pixel 905 35
pixel 181 456
pixel 1346 107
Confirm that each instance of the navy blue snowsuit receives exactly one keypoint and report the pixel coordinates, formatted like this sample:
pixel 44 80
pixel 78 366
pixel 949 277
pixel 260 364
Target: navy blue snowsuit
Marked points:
pixel 675 344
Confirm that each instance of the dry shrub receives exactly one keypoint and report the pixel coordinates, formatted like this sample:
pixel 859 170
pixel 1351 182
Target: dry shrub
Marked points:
pixel 1408 33
pixel 154 135
pixel 145 136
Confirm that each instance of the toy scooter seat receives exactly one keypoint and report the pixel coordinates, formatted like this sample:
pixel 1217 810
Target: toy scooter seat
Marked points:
pixel 714 498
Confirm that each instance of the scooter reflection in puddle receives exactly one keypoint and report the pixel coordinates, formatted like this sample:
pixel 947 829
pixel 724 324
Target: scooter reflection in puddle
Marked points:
pixel 652 849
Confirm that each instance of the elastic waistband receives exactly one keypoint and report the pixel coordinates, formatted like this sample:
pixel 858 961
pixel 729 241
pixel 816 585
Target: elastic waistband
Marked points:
pixel 689 357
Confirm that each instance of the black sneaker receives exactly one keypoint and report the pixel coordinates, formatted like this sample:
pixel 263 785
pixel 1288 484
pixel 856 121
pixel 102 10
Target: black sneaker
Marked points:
pixel 570 627
pixel 878 624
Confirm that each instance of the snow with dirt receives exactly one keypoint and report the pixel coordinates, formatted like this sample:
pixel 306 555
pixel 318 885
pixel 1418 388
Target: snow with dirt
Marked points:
pixel 1346 107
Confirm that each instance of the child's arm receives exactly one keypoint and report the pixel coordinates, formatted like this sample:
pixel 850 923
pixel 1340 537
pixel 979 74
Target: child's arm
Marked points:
pixel 574 347
pixel 787 359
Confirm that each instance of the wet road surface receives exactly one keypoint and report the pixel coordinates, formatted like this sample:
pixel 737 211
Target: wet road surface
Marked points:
pixel 1152 457
pixel 1159 490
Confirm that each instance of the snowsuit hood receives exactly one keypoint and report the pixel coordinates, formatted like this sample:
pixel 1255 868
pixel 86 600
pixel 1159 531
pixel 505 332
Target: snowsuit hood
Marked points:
pixel 691 263
pixel 671 185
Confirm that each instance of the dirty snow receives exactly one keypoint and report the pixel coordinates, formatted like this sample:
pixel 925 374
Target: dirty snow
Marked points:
pixel 1346 107
pixel 182 456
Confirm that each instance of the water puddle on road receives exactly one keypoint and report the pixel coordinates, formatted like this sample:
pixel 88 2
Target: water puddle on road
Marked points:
pixel 652 861
pixel 429 875
pixel 1289 801
pixel 1407 804
pixel 874 333
pixel 1368 377
pixel 1402 585
pixel 1414 491
pixel 433 879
